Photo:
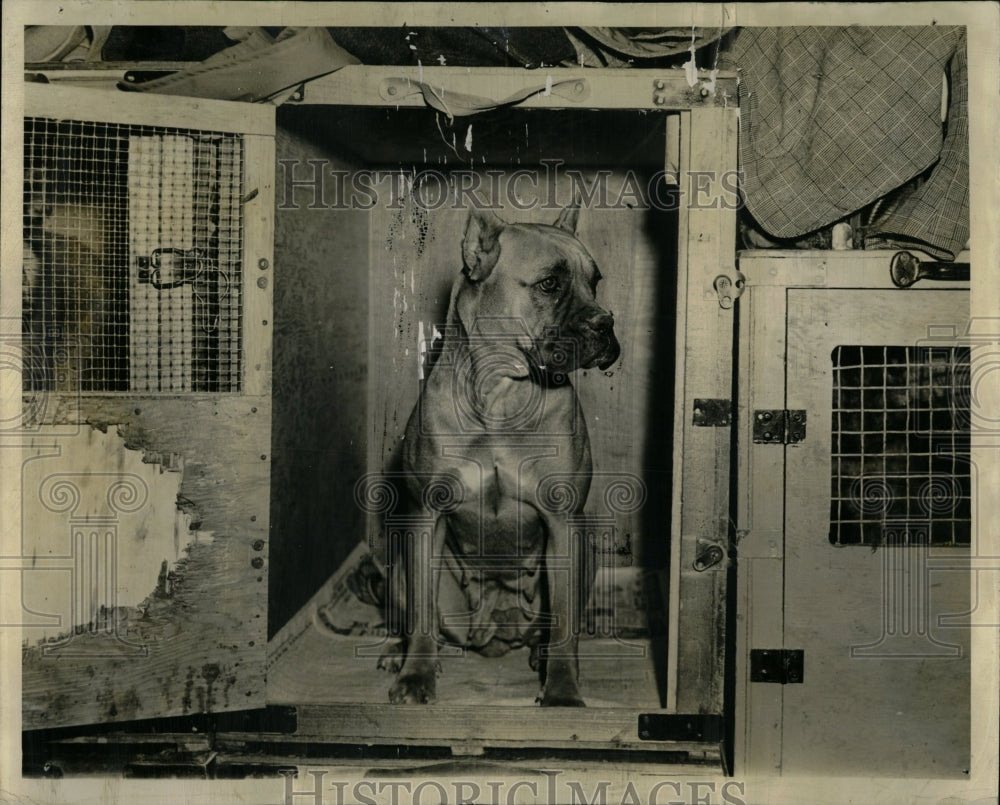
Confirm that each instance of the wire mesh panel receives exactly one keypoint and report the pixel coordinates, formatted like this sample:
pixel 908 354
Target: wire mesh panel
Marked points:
pixel 132 258
pixel 900 446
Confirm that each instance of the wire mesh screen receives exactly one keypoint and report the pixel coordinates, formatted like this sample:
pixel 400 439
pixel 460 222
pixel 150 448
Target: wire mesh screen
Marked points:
pixel 132 258
pixel 900 446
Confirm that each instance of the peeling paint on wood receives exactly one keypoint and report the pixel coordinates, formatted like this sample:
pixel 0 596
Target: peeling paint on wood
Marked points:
pixel 208 610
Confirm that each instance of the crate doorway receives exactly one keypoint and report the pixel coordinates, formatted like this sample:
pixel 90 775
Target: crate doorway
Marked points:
pixel 406 167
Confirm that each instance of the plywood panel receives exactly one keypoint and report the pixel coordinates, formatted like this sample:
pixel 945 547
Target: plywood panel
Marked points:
pixel 193 640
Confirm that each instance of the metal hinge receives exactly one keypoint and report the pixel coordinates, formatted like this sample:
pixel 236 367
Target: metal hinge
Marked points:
pixel 783 666
pixel 779 426
pixel 677 727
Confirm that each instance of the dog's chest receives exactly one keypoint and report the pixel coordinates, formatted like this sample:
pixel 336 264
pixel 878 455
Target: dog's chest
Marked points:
pixel 498 514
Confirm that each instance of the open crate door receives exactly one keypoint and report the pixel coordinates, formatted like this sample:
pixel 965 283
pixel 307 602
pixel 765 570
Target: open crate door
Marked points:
pixel 146 426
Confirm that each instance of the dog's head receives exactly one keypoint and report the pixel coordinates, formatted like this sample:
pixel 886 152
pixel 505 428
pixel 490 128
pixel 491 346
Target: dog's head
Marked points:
pixel 535 285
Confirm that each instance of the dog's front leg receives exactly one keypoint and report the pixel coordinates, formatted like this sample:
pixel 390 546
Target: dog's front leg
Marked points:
pixel 416 683
pixel 564 568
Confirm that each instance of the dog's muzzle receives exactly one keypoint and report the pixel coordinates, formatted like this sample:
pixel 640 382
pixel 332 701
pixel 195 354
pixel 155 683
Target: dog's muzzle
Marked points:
pixel 601 348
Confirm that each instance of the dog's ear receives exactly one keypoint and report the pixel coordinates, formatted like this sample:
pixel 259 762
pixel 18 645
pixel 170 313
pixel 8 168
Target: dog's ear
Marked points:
pixel 481 245
pixel 568 217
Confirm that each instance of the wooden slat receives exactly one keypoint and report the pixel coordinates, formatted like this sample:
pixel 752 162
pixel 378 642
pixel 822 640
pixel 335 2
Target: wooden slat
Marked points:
pixel 841 269
pixel 258 246
pixel 760 529
pixel 436 725
pixel 113 106
pixel 705 338
pixel 363 85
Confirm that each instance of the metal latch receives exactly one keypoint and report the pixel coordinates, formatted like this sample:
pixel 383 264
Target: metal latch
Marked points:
pixel 779 426
pixel 783 666
pixel 728 288
pixel 709 554
pixel 706 727
pixel 170 267
pixel 716 413
pixel 906 269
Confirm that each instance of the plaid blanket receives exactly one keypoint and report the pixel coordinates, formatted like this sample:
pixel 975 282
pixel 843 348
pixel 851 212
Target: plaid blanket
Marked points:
pixel 832 119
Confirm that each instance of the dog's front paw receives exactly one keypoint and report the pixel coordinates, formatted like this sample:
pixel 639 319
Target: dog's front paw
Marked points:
pixel 547 699
pixel 392 658
pixel 414 688
pixel 560 692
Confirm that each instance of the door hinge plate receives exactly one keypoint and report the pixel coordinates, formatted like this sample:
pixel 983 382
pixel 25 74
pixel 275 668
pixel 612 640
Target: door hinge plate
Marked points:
pixel 783 666
pixel 678 727
pixel 779 426
pixel 716 413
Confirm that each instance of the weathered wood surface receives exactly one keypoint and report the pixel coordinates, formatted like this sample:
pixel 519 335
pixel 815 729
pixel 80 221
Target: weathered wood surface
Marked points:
pixel 113 106
pixel 367 85
pixel 325 668
pixel 470 728
pixel 205 634
pixel 760 515
pixel 834 269
pixel 706 248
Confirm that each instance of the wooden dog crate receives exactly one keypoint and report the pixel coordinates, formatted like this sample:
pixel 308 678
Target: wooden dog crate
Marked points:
pixel 854 517
pixel 656 651
pixel 149 375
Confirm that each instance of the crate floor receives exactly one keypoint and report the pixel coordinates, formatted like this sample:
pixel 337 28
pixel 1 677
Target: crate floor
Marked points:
pixel 319 667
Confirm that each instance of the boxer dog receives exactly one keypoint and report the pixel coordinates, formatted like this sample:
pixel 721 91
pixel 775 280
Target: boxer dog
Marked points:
pixel 498 425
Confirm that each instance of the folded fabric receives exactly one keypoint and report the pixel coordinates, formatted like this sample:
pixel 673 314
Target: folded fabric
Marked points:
pixel 256 68
pixel 832 119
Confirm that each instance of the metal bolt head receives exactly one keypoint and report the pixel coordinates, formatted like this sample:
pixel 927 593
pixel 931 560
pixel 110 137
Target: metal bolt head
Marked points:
pixel 263 264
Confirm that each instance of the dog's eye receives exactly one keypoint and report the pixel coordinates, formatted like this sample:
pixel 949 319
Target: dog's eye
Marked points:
pixel 549 285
